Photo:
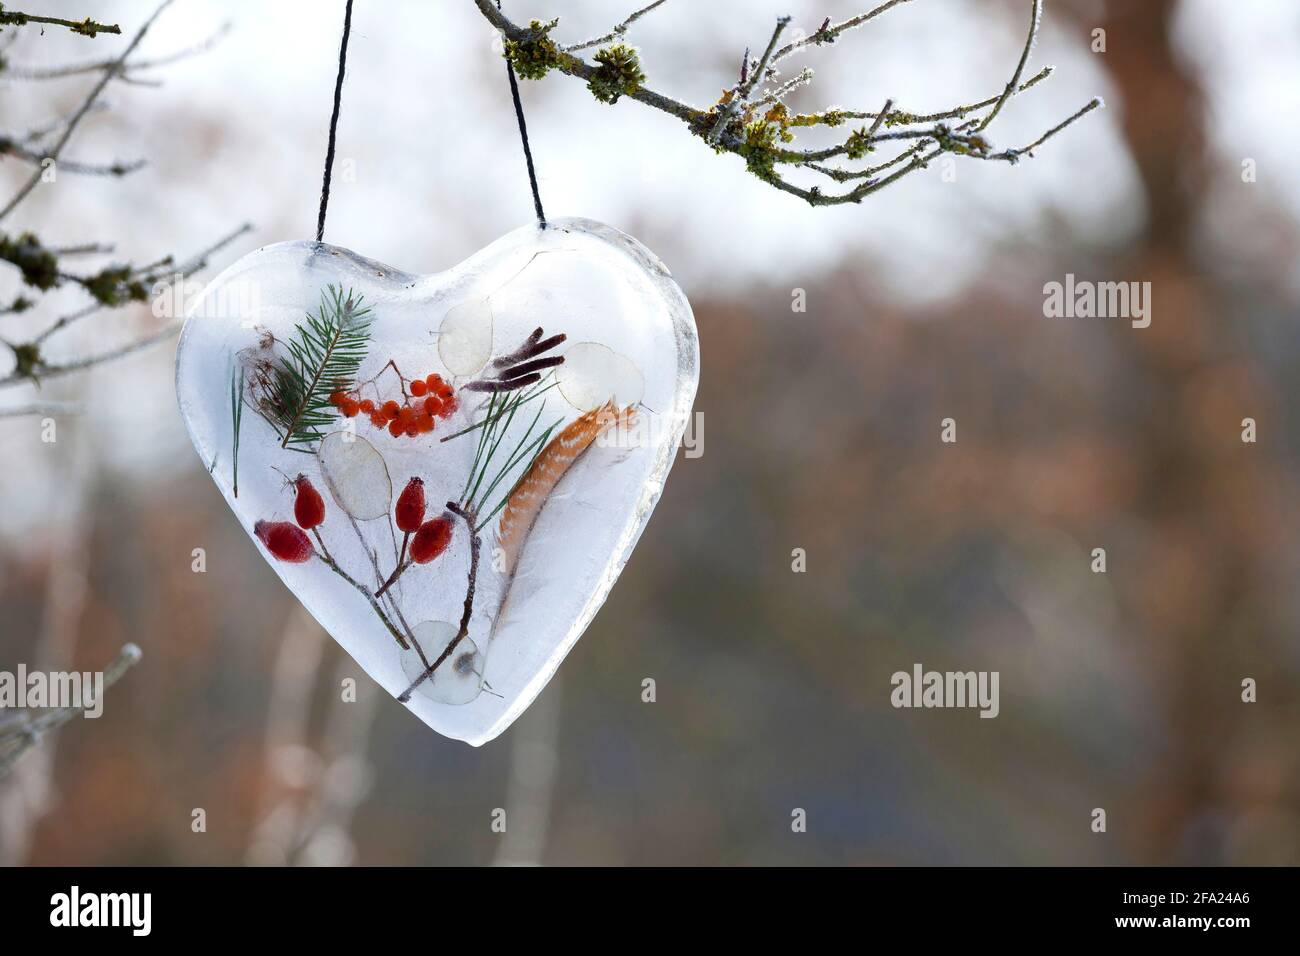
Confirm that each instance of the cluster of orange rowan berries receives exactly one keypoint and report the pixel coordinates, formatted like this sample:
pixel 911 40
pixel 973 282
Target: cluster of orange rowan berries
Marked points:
pixel 430 398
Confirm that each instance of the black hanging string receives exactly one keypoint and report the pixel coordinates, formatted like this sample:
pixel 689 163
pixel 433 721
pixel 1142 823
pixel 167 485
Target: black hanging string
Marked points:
pixel 523 135
pixel 334 123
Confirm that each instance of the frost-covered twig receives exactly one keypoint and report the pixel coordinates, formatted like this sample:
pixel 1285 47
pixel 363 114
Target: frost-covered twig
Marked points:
pixel 740 94
pixel 1035 17
pixel 760 128
pixel 802 78
pixel 1013 155
pixel 617 32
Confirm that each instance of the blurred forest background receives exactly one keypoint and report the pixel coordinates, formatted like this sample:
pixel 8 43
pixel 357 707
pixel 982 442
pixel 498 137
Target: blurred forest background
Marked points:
pixel 820 431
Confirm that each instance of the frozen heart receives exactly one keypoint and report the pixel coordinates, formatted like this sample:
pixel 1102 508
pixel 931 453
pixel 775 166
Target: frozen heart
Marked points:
pixel 449 471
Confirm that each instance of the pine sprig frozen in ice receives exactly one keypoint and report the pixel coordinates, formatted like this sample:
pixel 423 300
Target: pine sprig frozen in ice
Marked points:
pixel 325 353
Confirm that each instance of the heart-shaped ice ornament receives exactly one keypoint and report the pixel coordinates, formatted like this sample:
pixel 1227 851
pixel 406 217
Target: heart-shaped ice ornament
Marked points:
pixel 449 471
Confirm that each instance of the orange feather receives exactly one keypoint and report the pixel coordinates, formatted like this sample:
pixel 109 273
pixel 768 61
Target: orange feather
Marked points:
pixel 550 465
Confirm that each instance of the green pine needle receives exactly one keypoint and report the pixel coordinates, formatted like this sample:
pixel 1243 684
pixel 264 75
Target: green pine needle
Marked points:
pixel 492 462
pixel 236 418
pixel 325 354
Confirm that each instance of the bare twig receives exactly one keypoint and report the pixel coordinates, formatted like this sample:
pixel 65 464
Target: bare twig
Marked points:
pixel 365 592
pixel 38 133
pixel 86 104
pixel 10 147
pixel 1013 155
pixel 57 369
pixel 474 546
pixel 741 94
pixel 1035 16
pixel 615 33
pixel 26 732
pixel 829 33
pixel 86 27
pixel 126 71
pixel 148 275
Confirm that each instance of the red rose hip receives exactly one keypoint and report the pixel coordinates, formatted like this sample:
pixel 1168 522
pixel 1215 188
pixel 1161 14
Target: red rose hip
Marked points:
pixel 409 511
pixel 286 541
pixel 431 540
pixel 308 505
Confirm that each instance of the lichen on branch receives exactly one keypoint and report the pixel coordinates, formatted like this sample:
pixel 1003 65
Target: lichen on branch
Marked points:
pixel 751 119
pixel 618 73
pixel 533 53
pixel 86 27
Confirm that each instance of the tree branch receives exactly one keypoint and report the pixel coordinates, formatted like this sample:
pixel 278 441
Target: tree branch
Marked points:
pixel 22 732
pixel 761 129
pixel 86 104
pixel 741 94
pixel 86 27
pixel 125 70
pixel 615 33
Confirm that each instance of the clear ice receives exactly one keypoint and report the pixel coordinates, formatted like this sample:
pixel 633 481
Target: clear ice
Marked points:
pixel 630 340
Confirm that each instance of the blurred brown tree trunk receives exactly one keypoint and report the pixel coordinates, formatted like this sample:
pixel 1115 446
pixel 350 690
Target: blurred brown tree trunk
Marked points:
pixel 1195 580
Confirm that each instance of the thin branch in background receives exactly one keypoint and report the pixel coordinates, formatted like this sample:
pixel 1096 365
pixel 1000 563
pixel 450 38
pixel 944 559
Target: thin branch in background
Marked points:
pixel 29 792
pixel 290 764
pixel 89 361
pixel 33 367
pixel 25 730
pixel 89 101
pixel 530 786
pixel 10 147
pixel 313 785
pixel 44 409
pixel 85 249
pixel 50 127
pixel 126 71
pixel 86 27
pixel 1035 18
